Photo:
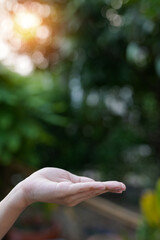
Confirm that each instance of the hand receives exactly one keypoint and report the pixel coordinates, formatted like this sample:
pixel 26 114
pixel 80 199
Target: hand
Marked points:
pixel 50 185
pixel 55 185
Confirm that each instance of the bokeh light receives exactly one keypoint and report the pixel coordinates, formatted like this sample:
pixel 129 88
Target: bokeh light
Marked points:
pixel 28 30
pixel 115 19
pixel 26 23
pixel 116 4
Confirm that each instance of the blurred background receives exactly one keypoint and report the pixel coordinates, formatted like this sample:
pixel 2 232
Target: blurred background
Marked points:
pixel 80 90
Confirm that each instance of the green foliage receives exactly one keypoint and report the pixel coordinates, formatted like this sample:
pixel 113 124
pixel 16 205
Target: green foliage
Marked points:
pixel 25 107
pixel 105 90
pixel 114 62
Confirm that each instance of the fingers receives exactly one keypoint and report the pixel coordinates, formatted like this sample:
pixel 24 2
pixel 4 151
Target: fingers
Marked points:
pixel 94 190
pixel 75 188
pixel 86 186
pixel 106 186
pixel 114 186
pixel 100 187
pixel 109 185
pixel 83 196
pixel 78 179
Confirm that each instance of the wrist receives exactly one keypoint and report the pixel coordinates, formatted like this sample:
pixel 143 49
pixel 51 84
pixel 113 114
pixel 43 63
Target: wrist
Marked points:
pixel 11 207
pixel 17 197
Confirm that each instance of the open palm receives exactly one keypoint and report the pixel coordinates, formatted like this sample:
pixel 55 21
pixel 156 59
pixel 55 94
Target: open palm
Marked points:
pixel 59 186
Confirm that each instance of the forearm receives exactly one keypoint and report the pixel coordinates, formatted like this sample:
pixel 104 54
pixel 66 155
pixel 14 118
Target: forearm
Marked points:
pixel 10 209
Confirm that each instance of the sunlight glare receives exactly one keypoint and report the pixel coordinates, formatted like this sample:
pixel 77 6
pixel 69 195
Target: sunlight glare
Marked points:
pixel 27 20
pixel 24 30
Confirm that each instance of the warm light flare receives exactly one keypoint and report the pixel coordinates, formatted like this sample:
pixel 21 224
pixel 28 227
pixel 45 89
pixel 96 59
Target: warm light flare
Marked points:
pixel 27 29
pixel 27 20
pixel 26 23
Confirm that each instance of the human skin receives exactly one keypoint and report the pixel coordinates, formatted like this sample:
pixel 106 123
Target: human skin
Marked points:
pixel 51 185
